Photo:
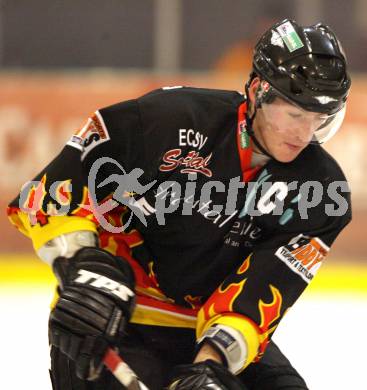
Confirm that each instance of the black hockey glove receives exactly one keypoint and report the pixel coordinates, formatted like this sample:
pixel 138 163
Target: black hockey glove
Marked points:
pixel 207 375
pixel 96 300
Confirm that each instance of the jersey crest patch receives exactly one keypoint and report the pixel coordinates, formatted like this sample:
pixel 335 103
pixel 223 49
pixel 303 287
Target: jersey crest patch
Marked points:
pixel 92 134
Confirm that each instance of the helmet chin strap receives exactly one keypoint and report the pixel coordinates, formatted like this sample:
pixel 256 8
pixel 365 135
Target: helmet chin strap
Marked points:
pixel 249 127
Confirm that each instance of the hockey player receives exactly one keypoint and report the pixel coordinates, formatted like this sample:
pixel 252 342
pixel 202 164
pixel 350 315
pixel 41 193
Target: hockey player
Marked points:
pixel 187 265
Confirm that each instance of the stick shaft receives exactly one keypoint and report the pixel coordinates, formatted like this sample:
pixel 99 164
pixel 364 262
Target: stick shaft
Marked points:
pixel 122 372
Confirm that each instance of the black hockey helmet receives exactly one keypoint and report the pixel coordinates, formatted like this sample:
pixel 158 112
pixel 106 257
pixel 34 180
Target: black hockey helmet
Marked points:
pixel 305 65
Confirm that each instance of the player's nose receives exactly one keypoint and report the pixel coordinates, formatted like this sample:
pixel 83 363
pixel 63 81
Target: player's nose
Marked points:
pixel 303 133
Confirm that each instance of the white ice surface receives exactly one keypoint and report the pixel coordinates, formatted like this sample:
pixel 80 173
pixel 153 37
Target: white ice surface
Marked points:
pixel 324 337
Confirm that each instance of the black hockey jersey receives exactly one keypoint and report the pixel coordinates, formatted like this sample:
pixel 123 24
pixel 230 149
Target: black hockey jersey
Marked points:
pixel 166 182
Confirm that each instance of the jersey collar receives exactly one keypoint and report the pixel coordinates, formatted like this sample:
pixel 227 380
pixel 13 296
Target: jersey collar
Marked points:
pixel 244 145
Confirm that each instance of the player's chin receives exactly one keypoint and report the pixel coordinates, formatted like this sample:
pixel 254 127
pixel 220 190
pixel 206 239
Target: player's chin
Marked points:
pixel 287 152
pixel 287 155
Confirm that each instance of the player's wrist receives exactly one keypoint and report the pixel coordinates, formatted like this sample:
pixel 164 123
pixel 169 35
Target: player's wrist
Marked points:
pixel 208 351
pixel 228 344
pixel 66 245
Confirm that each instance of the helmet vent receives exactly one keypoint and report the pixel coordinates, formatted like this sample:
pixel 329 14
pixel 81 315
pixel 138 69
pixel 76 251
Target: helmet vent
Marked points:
pixel 302 71
pixel 295 89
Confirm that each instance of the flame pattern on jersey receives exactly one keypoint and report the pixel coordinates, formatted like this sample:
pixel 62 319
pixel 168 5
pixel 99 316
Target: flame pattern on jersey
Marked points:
pixel 269 313
pixel 223 298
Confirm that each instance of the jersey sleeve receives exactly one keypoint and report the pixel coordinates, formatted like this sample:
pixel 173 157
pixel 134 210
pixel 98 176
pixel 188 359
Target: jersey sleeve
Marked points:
pixel 59 200
pixel 255 297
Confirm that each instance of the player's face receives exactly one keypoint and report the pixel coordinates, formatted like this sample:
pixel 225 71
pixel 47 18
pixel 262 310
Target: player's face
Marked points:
pixel 285 129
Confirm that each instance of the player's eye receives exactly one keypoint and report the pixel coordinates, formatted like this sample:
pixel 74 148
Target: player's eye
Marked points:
pixel 294 115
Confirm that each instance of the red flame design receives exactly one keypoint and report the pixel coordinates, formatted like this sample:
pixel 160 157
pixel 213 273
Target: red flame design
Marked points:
pixel 194 302
pixel 34 202
pixel 269 313
pixel 63 192
pixel 222 299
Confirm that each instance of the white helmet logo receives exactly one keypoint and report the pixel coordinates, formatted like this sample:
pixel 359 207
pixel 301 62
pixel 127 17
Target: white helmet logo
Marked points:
pixel 325 99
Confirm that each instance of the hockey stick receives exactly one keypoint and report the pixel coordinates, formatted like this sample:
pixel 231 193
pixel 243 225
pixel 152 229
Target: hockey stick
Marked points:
pixel 122 372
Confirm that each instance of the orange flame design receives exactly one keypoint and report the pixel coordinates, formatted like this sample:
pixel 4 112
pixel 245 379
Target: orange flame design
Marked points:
pixel 152 275
pixel 85 209
pixel 269 313
pixel 244 266
pixel 34 202
pixel 194 302
pixel 223 298
pixel 62 196
pixel 35 196
pixel 63 192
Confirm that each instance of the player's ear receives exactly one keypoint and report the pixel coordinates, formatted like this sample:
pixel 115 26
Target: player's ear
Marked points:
pixel 254 85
